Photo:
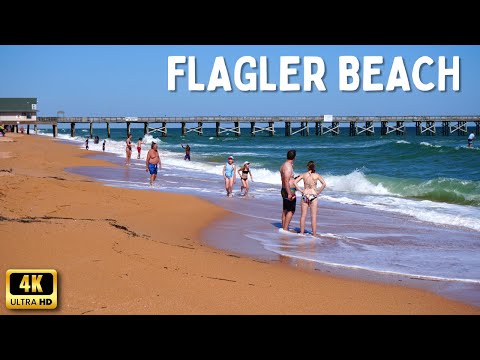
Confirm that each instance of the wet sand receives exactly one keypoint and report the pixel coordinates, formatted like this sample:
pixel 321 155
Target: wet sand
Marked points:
pixel 117 251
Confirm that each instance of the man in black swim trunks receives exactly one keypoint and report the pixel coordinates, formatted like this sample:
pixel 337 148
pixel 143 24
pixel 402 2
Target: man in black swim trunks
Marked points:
pixel 288 189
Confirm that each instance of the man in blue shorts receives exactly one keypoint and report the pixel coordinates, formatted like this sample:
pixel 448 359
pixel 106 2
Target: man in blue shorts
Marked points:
pixel 153 163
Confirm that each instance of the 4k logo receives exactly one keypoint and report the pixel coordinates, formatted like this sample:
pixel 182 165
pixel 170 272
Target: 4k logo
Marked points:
pixel 31 289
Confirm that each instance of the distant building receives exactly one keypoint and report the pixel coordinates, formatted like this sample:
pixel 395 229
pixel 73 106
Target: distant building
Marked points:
pixel 23 110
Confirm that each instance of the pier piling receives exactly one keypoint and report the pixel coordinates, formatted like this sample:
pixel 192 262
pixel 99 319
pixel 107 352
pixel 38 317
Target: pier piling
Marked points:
pixel 55 130
pixel 72 129
pixel 252 128
pixel 128 128
pixel 91 130
pixel 164 132
pixel 108 129
pixel 288 128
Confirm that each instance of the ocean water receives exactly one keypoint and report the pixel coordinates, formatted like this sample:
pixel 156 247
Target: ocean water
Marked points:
pixel 403 205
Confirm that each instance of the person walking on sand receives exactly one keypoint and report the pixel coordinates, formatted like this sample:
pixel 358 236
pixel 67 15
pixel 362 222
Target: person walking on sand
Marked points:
pixel 139 147
pixel 187 152
pixel 470 139
pixel 288 189
pixel 103 145
pixel 86 144
pixel 229 175
pixel 243 173
pixel 309 195
pixel 153 163
pixel 128 149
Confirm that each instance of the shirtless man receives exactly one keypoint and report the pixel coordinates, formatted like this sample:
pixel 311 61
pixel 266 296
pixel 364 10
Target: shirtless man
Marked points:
pixel 288 189
pixel 153 163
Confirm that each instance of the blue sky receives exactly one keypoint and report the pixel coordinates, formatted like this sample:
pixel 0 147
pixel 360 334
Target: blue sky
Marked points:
pixel 104 80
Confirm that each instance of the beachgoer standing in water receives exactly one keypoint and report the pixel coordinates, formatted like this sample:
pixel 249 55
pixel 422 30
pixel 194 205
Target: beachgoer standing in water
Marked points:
pixel 86 144
pixel 187 152
pixel 243 173
pixel 104 143
pixel 128 149
pixel 288 189
pixel 139 147
pixel 470 139
pixel 229 175
pixel 153 163
pixel 309 195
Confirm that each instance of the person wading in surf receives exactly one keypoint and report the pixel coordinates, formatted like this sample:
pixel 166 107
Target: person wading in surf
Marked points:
pixel 309 195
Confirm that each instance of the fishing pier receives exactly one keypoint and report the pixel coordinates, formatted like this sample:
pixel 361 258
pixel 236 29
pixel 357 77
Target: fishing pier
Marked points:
pixel 293 125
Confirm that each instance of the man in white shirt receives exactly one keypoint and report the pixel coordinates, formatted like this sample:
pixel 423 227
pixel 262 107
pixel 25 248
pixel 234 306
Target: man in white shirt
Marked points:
pixel 471 137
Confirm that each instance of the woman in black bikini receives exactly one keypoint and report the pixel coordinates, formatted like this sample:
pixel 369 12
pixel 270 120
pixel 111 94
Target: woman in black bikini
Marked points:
pixel 243 172
pixel 309 195
pixel 128 149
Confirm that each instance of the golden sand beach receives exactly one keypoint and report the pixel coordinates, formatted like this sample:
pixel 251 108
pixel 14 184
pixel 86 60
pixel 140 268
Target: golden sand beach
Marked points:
pixel 117 252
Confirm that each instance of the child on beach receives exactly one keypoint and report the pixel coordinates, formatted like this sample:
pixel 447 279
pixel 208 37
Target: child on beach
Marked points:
pixel 139 147
pixel 243 173
pixel 229 175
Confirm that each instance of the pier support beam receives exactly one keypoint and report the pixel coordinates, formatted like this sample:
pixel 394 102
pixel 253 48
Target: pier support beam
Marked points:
pixel 91 130
pixel 236 124
pixel 145 128
pixel 288 128
pixel 128 128
pixel 400 130
pixel 108 130
pixel 370 128
pixel 418 127
pixel 305 130
pixel 164 125
pixel 353 128
pixel 55 130
pixel 317 128
pixel 445 128
pixel 72 129
pixel 383 127
pixel 217 129
pixel 200 128
pixel 272 129
pixel 252 128
pixel 429 128
pixel 477 128
pixel 184 131
pixel 28 129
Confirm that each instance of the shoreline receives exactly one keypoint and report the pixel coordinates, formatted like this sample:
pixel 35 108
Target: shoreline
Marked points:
pixel 144 257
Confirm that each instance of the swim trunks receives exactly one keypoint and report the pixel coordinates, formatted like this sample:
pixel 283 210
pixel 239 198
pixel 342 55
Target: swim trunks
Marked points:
pixel 153 168
pixel 187 157
pixel 289 205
